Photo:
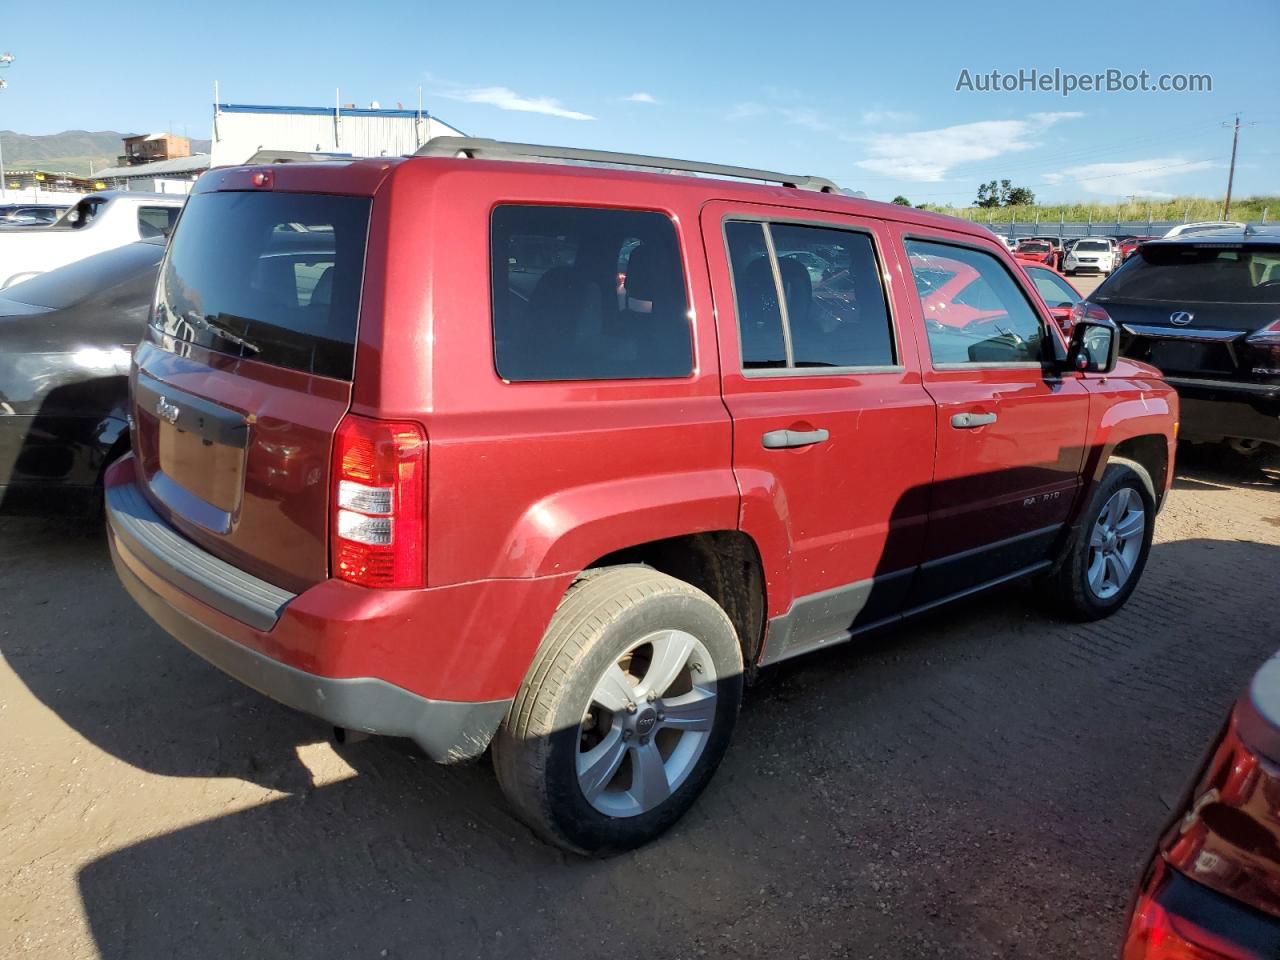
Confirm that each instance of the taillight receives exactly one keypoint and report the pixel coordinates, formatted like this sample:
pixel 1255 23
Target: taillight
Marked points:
pixel 379 502
pixel 1086 309
pixel 1157 934
pixel 1267 340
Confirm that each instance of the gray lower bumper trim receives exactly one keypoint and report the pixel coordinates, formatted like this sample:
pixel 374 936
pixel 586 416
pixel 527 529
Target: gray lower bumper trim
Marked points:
pixel 446 730
pixel 195 571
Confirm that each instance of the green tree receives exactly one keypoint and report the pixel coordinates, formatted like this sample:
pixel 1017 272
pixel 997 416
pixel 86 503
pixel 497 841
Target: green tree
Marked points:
pixel 901 201
pixel 1002 193
pixel 1020 197
pixel 989 194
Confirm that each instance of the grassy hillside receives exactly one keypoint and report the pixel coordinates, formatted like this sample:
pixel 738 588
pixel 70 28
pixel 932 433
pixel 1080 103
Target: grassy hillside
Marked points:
pixel 71 151
pixel 1193 208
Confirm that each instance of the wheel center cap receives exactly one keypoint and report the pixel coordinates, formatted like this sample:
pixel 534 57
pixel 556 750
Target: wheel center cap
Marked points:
pixel 646 720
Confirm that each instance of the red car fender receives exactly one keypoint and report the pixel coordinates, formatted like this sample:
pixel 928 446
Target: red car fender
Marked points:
pixel 574 527
pixel 1142 407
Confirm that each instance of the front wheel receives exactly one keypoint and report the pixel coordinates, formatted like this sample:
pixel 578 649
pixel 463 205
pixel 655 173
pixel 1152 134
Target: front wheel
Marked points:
pixel 625 713
pixel 1106 559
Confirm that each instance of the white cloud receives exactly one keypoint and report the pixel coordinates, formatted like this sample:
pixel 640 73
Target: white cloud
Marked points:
pixel 875 118
pixel 641 97
pixel 1130 177
pixel 928 155
pixel 505 99
pixel 806 117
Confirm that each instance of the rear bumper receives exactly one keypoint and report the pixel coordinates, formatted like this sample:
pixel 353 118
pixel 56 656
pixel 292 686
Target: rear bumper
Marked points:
pixel 1196 918
pixel 1212 411
pixel 439 666
pixel 445 730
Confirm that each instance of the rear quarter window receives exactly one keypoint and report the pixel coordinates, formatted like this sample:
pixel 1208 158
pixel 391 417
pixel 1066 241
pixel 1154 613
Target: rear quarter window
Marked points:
pixel 581 293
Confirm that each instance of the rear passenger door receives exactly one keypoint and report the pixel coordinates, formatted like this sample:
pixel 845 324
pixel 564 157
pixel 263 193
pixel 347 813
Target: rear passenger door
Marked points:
pixel 1011 427
pixel 833 431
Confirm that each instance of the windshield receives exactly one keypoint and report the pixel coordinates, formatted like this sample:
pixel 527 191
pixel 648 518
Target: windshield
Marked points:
pixel 1203 274
pixel 82 213
pixel 1094 245
pixel 274 277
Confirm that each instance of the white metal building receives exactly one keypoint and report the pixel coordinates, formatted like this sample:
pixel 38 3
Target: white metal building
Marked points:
pixel 241 130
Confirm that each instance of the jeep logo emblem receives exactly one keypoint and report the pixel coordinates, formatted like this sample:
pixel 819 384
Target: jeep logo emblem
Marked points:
pixel 1181 318
pixel 646 722
pixel 166 410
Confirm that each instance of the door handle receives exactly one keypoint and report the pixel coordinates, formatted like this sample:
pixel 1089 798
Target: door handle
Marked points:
pixel 967 421
pixel 782 439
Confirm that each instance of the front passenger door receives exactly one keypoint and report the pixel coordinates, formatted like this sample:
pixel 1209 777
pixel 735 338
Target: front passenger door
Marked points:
pixel 1011 428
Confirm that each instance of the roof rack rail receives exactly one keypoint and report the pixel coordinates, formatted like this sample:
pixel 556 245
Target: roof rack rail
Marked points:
pixel 298 156
pixel 481 148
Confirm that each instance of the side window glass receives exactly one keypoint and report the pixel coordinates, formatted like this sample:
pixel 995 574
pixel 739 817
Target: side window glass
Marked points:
pixel 815 300
pixel 588 294
pixel 1053 289
pixel 756 295
pixel 156 221
pixel 835 303
pixel 974 311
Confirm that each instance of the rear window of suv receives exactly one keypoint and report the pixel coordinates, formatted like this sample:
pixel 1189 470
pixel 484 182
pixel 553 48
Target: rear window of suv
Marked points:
pixel 581 293
pixel 1198 274
pixel 274 277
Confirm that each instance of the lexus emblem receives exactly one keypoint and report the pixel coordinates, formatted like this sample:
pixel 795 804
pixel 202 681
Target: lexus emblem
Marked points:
pixel 1181 318
pixel 166 410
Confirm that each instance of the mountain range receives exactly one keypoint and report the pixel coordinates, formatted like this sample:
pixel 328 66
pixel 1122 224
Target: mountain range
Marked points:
pixel 72 151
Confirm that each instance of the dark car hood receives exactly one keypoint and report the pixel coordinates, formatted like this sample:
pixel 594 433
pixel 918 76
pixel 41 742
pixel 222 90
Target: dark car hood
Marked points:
pixel 11 309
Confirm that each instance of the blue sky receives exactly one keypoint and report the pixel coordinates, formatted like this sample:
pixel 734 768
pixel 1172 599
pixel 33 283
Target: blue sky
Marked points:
pixel 862 93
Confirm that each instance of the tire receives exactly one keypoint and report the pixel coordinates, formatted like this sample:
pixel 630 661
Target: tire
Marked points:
pixel 1269 463
pixel 1074 589
pixel 611 624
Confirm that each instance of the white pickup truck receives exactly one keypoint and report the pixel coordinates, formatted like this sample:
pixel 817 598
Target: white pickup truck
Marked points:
pixel 98 222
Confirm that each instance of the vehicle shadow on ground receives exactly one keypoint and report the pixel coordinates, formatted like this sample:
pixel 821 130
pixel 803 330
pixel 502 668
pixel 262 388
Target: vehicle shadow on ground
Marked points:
pixel 985 778
pixel 84 649
pixel 1205 466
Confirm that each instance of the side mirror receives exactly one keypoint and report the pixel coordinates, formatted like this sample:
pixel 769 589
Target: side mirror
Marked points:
pixel 1095 345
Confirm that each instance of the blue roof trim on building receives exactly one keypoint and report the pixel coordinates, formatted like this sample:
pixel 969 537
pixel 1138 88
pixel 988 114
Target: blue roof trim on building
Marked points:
pixel 315 111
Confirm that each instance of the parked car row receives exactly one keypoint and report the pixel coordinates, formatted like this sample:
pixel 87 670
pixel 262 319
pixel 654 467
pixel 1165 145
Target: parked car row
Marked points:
pixel 97 222
pixel 29 214
pixel 544 463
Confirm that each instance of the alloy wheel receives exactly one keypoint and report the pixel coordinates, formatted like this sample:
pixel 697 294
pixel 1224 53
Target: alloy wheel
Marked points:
pixel 1115 543
pixel 647 723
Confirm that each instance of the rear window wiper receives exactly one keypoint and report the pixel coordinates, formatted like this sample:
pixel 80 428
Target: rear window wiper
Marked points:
pixel 223 332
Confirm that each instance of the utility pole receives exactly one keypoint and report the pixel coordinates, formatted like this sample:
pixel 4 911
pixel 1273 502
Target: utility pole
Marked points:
pixel 1231 173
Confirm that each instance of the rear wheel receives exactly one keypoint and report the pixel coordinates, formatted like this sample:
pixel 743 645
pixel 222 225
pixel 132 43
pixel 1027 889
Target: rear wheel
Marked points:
pixel 1106 559
pixel 1269 463
pixel 625 714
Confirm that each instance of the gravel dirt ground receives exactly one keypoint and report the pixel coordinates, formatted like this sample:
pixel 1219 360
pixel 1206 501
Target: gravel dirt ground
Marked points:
pixel 985 783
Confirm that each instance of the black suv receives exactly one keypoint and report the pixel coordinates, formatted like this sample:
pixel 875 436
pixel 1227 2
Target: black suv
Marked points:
pixel 1205 309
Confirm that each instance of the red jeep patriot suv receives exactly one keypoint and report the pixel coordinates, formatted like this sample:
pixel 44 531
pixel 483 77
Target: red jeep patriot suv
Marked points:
pixel 487 449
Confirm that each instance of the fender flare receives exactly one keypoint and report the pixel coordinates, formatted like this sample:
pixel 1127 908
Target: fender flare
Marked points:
pixel 572 528
pixel 1127 419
